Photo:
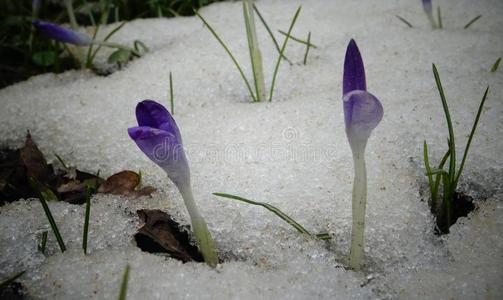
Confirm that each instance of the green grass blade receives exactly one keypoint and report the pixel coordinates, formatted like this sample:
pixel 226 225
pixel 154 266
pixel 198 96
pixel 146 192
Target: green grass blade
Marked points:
pixel 307 47
pixel 42 197
pixel 230 55
pixel 253 56
pixel 171 97
pixel 439 15
pixel 43 242
pixel 472 21
pixel 472 133
pixel 10 280
pixel 89 62
pixel 297 39
pixel 276 211
pixel 275 42
pixel 125 279
pixel 428 171
pixel 86 220
pixel 283 47
pixel 107 37
pixel 404 21
pixel 496 65
pixel 452 144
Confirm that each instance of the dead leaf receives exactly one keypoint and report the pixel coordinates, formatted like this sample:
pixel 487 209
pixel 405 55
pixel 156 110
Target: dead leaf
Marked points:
pixel 161 234
pixel 124 183
pixel 34 161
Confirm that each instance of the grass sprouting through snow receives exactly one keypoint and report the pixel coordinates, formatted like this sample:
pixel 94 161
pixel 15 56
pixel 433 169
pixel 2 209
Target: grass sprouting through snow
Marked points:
pixel 10 280
pixel 439 15
pixel 472 21
pixel 404 21
pixel 171 97
pixel 230 55
pixel 43 196
pixel 296 39
pixel 307 47
pixel 283 47
pixel 268 29
pixel 86 219
pixel 107 37
pixel 43 242
pixel 496 65
pixel 125 279
pixel 449 178
pixel 278 212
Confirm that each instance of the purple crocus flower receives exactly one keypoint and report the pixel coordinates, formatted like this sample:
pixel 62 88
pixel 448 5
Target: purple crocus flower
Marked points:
pixel 427 6
pixel 158 136
pixel 62 34
pixel 362 112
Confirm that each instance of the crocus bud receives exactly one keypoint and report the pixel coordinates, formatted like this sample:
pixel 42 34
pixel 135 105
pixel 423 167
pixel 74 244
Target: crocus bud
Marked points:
pixel 362 112
pixel 427 6
pixel 158 136
pixel 62 34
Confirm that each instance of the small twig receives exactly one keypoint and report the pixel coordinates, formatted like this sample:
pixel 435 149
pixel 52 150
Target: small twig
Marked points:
pixel 405 21
pixel 472 21
pixel 86 220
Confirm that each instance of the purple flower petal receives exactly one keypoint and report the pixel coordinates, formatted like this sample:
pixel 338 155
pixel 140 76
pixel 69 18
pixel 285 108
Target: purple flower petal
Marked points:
pixel 164 149
pixel 152 114
pixel 62 34
pixel 354 72
pixel 427 6
pixel 362 112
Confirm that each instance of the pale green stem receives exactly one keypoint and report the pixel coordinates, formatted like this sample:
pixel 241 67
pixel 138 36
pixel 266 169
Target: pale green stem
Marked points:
pixel 115 45
pixel 255 54
pixel 359 203
pixel 432 20
pixel 75 26
pixel 199 227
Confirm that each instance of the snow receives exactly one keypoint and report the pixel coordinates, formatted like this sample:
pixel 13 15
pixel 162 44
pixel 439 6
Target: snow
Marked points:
pixel 291 152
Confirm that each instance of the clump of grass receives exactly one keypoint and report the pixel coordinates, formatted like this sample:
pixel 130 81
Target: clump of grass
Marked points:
pixel 279 213
pixel 258 92
pixel 447 179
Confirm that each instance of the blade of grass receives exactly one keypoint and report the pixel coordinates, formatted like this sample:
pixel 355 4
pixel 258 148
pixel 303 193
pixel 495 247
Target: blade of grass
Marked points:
pixel 472 21
pixel 496 65
pixel 428 170
pixel 438 177
pixel 297 39
pixel 61 161
pixel 107 37
pixel 50 218
pixel 439 15
pixel 86 220
pixel 171 97
pixel 404 21
pixel 43 242
pixel 452 144
pixel 125 279
pixel 283 47
pixel 274 210
pixel 90 49
pixel 255 57
pixel 230 55
pixel 307 47
pixel 472 133
pixel 10 280
pixel 275 42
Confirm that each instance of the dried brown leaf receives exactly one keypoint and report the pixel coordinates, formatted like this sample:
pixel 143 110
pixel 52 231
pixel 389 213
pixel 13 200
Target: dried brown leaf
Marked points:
pixel 124 183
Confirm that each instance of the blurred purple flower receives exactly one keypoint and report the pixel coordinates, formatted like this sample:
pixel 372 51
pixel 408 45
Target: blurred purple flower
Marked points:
pixel 362 110
pixel 159 138
pixel 62 34
pixel 427 6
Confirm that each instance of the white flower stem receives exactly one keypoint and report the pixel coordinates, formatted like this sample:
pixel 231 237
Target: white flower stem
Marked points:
pixel 199 227
pixel 359 203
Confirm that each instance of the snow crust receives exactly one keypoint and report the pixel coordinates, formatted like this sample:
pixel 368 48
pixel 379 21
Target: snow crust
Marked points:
pixel 291 152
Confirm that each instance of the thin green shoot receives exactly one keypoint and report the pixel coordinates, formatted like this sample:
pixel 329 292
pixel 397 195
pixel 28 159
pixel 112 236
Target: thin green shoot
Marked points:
pixel 43 242
pixel 236 64
pixel 10 280
pixel 283 47
pixel 472 21
pixel 61 161
pixel 50 218
pixel 275 42
pixel 255 55
pixel 307 47
pixel 276 211
pixel 171 97
pixel 125 279
pixel 404 21
pixel 107 37
pixel 496 65
pixel 86 220
pixel 298 40
pixel 439 15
